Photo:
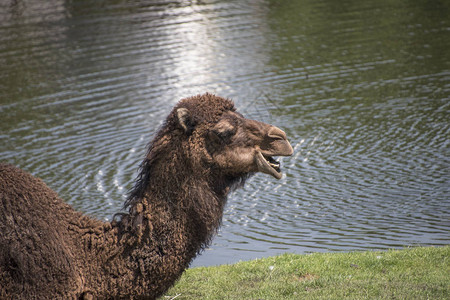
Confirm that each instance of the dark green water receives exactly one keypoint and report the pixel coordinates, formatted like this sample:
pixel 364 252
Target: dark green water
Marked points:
pixel 362 88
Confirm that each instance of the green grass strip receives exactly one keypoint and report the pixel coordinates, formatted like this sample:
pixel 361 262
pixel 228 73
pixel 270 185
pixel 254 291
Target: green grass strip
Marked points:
pixel 413 273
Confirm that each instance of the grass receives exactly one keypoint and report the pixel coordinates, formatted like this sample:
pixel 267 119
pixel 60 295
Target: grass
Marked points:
pixel 414 273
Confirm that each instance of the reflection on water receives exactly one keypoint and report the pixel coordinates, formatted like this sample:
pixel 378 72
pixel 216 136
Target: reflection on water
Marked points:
pixel 362 90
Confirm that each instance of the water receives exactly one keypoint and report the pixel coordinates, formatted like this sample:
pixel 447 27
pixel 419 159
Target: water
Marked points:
pixel 361 89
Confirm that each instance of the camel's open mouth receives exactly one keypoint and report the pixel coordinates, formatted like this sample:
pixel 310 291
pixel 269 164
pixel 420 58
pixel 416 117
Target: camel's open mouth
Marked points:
pixel 268 165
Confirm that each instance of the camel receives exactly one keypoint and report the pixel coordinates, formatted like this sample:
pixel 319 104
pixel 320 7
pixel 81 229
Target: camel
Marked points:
pixel 203 151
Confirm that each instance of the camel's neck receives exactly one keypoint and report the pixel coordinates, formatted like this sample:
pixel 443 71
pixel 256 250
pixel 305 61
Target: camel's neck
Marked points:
pixel 191 210
pixel 166 228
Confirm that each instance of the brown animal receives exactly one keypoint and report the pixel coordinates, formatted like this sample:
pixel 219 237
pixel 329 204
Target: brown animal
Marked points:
pixel 203 151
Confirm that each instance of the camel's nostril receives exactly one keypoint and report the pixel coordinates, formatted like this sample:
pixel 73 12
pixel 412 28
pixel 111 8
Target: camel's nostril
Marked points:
pixel 277 133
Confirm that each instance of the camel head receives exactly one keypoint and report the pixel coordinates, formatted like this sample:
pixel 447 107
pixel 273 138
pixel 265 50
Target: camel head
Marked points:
pixel 204 139
pixel 226 141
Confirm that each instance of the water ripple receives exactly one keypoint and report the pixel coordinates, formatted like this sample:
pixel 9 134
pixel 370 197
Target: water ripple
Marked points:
pixel 360 89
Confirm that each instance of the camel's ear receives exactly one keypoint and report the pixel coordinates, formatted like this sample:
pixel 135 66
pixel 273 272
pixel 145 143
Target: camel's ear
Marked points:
pixel 185 120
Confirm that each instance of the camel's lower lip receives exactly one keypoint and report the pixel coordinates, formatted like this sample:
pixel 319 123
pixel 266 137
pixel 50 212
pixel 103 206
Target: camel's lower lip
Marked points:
pixel 268 165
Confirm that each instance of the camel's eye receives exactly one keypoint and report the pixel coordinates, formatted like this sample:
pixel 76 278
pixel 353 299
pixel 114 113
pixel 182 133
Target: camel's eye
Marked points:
pixel 224 130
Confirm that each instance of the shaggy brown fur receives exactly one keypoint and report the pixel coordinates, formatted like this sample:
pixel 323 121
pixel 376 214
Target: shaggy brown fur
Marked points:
pixel 204 150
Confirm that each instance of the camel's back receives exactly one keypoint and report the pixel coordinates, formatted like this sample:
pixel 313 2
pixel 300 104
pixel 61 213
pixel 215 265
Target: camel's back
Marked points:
pixel 35 260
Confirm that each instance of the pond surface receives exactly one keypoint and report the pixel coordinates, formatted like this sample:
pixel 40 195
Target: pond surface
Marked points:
pixel 362 89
